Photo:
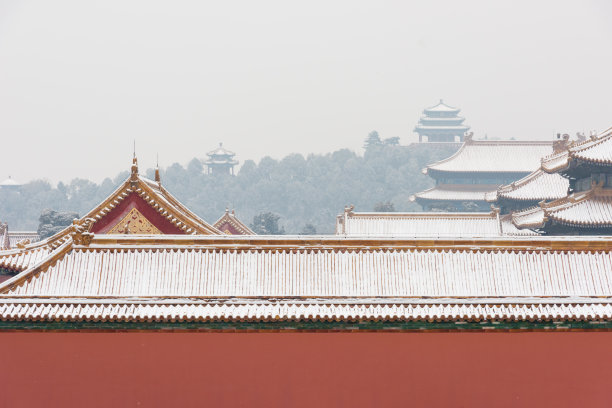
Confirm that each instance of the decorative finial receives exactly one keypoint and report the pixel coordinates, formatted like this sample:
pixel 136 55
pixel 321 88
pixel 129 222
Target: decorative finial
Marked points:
pixel 441 101
pixel 134 168
pixel 220 144
pixel 157 178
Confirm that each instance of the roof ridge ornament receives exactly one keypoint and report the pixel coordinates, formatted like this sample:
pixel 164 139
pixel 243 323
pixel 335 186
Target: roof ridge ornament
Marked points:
pixel 157 177
pixel 468 137
pixel 80 231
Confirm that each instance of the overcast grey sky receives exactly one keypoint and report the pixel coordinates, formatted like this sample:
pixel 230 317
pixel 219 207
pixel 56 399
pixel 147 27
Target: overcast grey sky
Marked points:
pixel 80 80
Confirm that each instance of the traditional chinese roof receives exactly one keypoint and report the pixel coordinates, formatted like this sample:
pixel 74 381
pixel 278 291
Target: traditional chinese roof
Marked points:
pixel 456 192
pixel 16 237
pixel 221 151
pixel 488 156
pixel 589 209
pixel 441 107
pixel 123 278
pixel 9 182
pixel 596 150
pixel 424 224
pixel 231 225
pixel 537 186
pixel 139 206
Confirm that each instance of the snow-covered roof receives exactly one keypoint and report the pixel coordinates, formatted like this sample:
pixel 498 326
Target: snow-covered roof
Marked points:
pixel 537 186
pixel 456 192
pixel 419 224
pixel 16 237
pixel 589 209
pixel 221 151
pixel 484 156
pixel 219 278
pixel 230 224
pixel 10 182
pixel 596 150
pixel 441 107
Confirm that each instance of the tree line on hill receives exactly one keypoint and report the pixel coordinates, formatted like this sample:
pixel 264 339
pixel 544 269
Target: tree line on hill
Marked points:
pixel 294 195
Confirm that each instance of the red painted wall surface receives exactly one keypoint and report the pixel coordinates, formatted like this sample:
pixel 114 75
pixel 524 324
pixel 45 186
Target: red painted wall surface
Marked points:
pixel 571 369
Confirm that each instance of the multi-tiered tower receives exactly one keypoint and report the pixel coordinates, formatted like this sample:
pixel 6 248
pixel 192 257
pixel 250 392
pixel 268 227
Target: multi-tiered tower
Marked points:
pixel 441 123
pixel 221 161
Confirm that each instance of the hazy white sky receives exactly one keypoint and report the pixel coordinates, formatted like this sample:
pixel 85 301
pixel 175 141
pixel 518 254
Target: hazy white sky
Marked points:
pixel 80 80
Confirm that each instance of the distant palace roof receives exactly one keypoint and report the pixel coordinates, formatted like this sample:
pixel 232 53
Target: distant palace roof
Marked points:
pixel 130 278
pixel 589 209
pixel 494 156
pixel 537 186
pixel 9 182
pixel 425 224
pixel 456 192
pixel 441 107
pixel 230 224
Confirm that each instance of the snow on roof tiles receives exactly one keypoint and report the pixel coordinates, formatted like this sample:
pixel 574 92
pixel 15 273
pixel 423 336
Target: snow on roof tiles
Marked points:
pixel 495 157
pixel 537 186
pixel 457 192
pixel 187 278
pixel 422 224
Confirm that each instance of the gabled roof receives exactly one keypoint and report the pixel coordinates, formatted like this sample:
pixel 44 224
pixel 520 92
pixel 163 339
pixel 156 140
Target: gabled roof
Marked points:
pixel 537 186
pixel 488 156
pixel 152 199
pixel 589 209
pixel 139 205
pixel 231 225
pixel 123 278
pixel 596 150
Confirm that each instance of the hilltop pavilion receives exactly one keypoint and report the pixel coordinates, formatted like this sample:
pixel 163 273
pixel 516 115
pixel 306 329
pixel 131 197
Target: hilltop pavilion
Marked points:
pixel 221 161
pixel 441 123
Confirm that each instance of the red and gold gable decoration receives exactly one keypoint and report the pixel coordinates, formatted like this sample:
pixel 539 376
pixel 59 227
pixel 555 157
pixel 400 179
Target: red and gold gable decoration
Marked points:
pixel 134 223
pixel 228 229
pixel 134 215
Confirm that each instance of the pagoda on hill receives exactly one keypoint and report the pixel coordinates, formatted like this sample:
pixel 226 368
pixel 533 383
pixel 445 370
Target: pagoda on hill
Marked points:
pixel 586 209
pixel 477 170
pixel 441 123
pixel 221 161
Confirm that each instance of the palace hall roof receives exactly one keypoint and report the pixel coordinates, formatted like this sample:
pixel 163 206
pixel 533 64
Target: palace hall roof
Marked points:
pixel 589 209
pixel 494 156
pixel 596 150
pixel 163 278
pixel 537 186
pixel 456 192
pixel 230 224
pixel 424 224
pixel 138 206
pixel 16 237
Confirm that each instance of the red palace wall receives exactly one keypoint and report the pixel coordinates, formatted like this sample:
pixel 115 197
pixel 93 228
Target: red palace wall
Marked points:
pixel 561 369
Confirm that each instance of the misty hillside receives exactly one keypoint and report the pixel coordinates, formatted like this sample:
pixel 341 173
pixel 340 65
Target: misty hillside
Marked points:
pixel 301 190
